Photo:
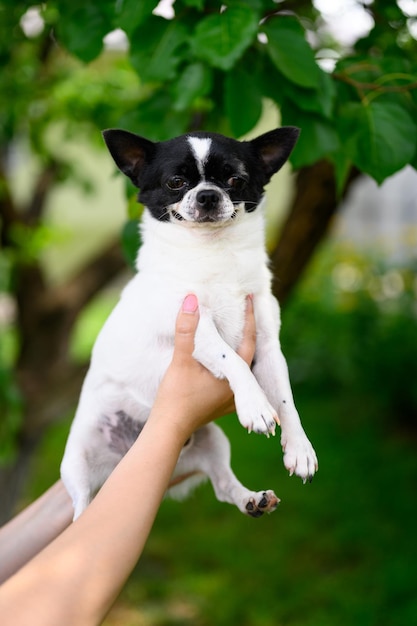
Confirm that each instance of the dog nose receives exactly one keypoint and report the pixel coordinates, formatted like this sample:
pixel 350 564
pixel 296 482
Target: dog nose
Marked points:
pixel 208 199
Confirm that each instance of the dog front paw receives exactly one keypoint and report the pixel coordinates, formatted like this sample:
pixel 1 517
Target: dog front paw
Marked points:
pixel 256 414
pixel 262 502
pixel 299 456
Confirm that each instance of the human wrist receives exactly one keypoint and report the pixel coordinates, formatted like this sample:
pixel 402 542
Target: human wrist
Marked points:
pixel 172 420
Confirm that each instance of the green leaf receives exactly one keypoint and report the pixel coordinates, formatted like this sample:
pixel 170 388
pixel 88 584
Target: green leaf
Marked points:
pixel 155 48
pixel 153 117
pixel 255 5
pixel 342 166
pixel 380 137
pixel 320 100
pixel 318 138
pixel 85 42
pixel 242 116
pixel 221 39
pixel 197 4
pixel 290 51
pixel 133 13
pixel 194 82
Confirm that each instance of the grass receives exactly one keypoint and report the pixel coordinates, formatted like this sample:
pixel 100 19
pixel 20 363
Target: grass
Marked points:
pixel 342 550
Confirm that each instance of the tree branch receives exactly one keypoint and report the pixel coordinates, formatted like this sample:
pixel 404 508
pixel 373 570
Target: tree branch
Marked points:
pixel 8 213
pixel 46 180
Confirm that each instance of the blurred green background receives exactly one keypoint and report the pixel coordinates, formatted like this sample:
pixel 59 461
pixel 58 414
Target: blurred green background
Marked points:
pixel 342 550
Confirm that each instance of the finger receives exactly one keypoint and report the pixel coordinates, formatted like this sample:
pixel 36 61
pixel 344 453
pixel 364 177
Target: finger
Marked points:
pixel 185 327
pixel 247 347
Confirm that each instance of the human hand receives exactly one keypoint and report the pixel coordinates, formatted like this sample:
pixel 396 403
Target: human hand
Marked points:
pixel 188 390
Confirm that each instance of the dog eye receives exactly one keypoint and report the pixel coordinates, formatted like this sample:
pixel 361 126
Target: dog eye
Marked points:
pixel 176 183
pixel 235 182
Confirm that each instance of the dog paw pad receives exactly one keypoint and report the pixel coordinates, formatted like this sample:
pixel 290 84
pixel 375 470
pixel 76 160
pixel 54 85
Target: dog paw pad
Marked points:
pixel 262 502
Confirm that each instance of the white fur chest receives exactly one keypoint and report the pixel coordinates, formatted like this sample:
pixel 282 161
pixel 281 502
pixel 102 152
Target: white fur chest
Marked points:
pixel 220 264
pixel 199 255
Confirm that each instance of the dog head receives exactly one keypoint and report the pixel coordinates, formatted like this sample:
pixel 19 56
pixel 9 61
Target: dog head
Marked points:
pixel 200 177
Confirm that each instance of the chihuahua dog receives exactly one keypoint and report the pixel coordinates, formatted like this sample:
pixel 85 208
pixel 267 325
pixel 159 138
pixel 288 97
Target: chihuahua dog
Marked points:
pixel 202 233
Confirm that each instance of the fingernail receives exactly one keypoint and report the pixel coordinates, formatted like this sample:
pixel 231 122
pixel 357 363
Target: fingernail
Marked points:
pixel 190 304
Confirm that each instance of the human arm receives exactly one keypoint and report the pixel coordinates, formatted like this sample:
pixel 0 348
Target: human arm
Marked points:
pixel 76 578
pixel 34 528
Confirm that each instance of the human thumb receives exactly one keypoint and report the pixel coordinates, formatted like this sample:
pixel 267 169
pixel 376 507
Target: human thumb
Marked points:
pixel 186 325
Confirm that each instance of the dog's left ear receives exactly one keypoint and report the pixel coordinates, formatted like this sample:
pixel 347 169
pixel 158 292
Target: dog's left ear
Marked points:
pixel 129 151
pixel 275 147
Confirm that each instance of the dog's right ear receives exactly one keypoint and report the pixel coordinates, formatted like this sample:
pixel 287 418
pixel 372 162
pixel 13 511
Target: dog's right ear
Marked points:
pixel 129 151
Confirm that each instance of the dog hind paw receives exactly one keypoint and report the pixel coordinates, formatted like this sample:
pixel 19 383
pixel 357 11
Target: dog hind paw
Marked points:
pixel 263 502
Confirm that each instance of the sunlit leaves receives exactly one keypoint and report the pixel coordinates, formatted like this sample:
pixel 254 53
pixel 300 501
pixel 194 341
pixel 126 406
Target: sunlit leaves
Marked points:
pixel 318 138
pixel 83 25
pixel 243 101
pixel 194 82
pixel 155 48
pixel 212 65
pixel 379 137
pixel 222 38
pixel 290 51
pixel 131 13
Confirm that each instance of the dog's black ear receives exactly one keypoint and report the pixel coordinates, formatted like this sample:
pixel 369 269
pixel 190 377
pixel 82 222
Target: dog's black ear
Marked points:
pixel 275 147
pixel 129 151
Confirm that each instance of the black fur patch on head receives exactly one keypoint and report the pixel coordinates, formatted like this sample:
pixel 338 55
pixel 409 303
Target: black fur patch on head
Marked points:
pixel 240 168
pixel 172 158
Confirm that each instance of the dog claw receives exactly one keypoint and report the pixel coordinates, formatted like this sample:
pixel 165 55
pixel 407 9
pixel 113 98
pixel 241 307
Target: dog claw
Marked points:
pixel 299 457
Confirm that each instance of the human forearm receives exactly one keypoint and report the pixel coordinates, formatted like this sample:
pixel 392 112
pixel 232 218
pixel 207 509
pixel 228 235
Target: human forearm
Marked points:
pixel 121 516
pixel 30 531
pixel 76 579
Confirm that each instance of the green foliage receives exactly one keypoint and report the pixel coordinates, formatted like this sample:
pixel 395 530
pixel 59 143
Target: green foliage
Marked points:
pixel 221 38
pixel 85 43
pixel 11 410
pixel 353 326
pixel 290 52
pixel 11 405
pixel 156 49
pixel 211 65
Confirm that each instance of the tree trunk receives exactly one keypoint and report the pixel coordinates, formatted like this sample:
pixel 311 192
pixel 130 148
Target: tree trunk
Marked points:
pixel 314 205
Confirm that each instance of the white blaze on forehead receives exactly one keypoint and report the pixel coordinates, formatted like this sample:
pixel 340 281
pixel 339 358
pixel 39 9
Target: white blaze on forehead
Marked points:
pixel 201 148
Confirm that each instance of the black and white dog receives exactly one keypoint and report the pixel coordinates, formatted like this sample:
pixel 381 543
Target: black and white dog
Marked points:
pixel 202 232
